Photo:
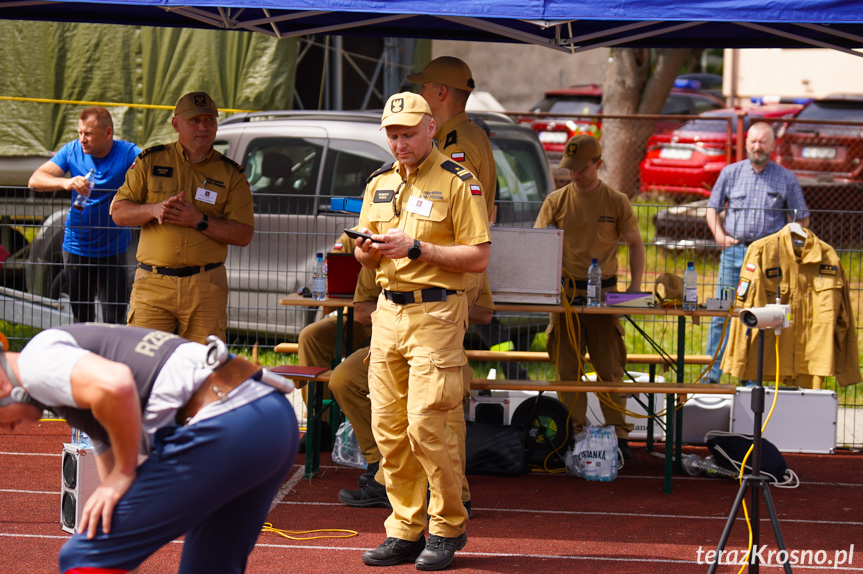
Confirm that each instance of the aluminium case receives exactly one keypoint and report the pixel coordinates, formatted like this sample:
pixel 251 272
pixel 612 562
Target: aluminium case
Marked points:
pixel 525 265
pixel 804 419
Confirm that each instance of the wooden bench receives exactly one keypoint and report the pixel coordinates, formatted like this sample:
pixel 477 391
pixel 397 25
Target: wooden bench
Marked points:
pixel 542 357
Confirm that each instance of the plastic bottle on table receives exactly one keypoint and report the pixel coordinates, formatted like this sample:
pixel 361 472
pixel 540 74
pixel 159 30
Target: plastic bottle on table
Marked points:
pixel 81 200
pixel 319 278
pixel 594 284
pixel 690 287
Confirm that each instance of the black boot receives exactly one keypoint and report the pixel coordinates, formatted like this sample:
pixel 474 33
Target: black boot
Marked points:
pixel 369 475
pixel 394 551
pixel 440 551
pixel 373 494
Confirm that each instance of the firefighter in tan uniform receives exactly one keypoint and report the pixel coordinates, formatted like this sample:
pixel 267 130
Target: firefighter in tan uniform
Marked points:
pixel 349 384
pixel 446 84
pixel 191 203
pixel 593 217
pixel 430 227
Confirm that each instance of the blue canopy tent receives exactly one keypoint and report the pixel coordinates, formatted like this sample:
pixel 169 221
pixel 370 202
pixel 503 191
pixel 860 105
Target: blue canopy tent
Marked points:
pixel 564 25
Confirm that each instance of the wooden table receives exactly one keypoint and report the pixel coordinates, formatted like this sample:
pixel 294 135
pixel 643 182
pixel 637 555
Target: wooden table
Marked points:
pixel 674 417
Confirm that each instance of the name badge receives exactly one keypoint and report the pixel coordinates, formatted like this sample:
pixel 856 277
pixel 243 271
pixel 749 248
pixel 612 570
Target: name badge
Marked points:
pixel 419 206
pixel 206 195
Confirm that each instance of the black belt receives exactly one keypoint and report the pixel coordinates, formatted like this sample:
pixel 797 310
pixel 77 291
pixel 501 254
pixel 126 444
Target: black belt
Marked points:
pixel 179 271
pixel 429 295
pixel 579 284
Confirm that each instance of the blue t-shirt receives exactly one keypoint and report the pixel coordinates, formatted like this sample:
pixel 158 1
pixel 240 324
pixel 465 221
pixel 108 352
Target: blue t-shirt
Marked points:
pixel 92 232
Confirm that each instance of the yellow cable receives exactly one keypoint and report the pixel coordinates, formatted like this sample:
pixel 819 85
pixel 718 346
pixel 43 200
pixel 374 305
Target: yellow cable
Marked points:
pixel 105 104
pixel 268 527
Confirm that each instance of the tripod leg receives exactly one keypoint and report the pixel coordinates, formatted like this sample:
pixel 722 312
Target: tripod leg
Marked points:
pixel 726 532
pixel 780 542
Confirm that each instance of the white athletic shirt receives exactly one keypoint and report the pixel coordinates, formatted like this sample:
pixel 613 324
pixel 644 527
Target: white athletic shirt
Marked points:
pixel 46 365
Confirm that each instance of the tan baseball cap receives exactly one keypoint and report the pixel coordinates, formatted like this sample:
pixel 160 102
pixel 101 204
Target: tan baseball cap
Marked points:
pixel 579 151
pixel 404 109
pixel 195 104
pixel 448 71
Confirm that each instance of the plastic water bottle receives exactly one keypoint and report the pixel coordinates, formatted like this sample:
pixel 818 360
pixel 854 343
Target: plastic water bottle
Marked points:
pixel 319 278
pixel 594 284
pixel 591 469
pixel 80 439
pixel 695 465
pixel 690 287
pixel 608 471
pixel 81 200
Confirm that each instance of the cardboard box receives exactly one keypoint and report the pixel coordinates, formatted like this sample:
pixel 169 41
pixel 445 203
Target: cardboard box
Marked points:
pixel 525 265
pixel 804 419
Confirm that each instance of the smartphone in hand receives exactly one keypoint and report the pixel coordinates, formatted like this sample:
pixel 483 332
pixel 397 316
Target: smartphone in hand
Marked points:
pixel 358 234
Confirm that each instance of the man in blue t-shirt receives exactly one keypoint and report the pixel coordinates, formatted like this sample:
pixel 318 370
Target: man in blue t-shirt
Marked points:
pixel 94 247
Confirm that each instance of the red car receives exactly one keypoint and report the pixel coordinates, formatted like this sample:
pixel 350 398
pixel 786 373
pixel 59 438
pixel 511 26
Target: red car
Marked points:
pixel 587 100
pixel 824 154
pixel 689 159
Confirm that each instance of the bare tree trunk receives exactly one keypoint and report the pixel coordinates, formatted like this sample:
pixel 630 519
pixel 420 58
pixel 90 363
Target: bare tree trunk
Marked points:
pixel 637 81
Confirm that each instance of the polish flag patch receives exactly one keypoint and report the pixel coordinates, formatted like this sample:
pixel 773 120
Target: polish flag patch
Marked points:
pixel 458 156
pixel 475 189
pixel 337 246
pixel 750 267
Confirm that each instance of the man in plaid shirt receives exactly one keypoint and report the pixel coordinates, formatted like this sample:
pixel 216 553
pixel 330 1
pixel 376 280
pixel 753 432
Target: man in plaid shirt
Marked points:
pixel 759 198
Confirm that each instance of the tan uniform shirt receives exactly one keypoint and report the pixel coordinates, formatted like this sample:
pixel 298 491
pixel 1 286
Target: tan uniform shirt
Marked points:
pixel 467 144
pixel 592 225
pixel 440 203
pixel 217 186
pixel 822 338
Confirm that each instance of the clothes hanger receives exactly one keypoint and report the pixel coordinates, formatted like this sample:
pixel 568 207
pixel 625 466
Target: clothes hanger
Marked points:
pixel 795 228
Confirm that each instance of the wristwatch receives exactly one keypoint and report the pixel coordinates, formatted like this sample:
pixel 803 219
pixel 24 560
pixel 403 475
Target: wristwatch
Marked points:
pixel 202 225
pixel 415 251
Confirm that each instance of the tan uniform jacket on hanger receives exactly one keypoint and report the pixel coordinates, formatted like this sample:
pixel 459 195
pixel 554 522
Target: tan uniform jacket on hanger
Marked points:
pixel 822 339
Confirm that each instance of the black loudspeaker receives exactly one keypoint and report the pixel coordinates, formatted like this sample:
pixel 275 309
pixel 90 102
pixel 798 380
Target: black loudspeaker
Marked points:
pixel 79 478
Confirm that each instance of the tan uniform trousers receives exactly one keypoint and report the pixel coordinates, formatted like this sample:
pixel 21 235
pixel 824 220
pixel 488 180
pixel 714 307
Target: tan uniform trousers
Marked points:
pixel 196 306
pixel 349 384
pixel 415 380
pixel 603 335
pixel 317 347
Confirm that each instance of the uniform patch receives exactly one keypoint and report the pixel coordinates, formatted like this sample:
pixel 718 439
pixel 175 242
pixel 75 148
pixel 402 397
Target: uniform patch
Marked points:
pixel 462 173
pixel 773 272
pixel 606 219
pixel 451 139
pixel 163 171
pixel 386 167
pixel 383 196
pixel 215 182
pixel 457 156
pixel 150 150
pixel 433 195
pixel 829 270
pixel 475 190
pixel 231 162
pixel 750 267
pixel 337 246
pixel 742 289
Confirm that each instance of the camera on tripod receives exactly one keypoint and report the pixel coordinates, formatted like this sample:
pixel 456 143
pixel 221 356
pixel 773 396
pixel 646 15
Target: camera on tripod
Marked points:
pixel 772 316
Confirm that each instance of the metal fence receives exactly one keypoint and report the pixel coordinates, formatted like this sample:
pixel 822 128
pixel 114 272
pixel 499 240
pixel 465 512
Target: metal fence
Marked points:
pixel 33 296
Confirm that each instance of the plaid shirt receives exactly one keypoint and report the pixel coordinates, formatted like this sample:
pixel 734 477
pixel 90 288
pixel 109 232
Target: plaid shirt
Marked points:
pixel 758 203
